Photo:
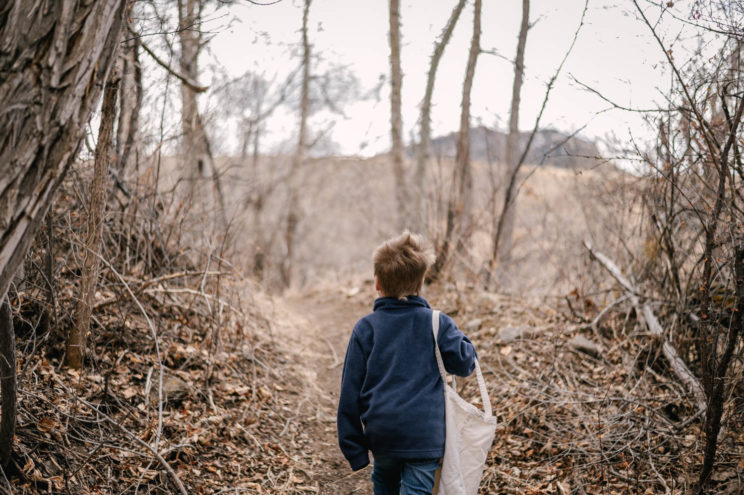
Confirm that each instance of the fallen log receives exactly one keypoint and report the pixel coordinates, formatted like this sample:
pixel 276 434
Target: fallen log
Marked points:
pixel 644 311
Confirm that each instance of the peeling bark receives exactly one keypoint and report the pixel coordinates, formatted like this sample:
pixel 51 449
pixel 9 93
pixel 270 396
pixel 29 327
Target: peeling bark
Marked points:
pixel 49 91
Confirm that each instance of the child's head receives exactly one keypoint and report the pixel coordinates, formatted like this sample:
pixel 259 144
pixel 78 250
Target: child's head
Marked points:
pixel 401 263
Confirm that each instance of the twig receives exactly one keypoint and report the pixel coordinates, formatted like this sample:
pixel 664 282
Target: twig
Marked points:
pixel 195 86
pixel 138 440
pixel 350 475
pixel 145 284
pixel 155 340
pixel 653 467
pixel 193 292
pixel 336 361
pixel 7 482
pixel 595 322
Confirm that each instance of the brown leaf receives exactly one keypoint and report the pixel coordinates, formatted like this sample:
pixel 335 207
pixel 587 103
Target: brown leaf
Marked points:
pixel 45 425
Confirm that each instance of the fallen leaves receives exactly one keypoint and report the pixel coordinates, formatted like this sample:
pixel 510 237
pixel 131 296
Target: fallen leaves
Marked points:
pixel 226 435
pixel 598 421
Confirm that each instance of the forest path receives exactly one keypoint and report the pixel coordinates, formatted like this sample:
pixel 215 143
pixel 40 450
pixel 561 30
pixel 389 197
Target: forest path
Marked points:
pixel 314 331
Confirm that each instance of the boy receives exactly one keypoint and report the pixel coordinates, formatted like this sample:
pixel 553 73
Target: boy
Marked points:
pixel 392 397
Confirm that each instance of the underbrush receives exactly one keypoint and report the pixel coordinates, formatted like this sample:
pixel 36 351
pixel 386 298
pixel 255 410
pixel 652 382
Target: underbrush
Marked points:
pixel 575 418
pixel 178 391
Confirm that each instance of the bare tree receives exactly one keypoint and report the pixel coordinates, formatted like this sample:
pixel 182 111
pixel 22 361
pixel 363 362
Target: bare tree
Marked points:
pixel 193 138
pixel 51 83
pixel 252 138
pixel 196 151
pixel 462 155
pixel 298 159
pixel 396 119
pixel 130 105
pixel 255 105
pixel 696 209
pixel 75 348
pixel 424 145
pixel 512 139
pixel 511 189
pixel 460 203
pixel 277 194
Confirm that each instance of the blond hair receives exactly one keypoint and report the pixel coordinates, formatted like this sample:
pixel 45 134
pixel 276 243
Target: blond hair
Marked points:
pixel 401 263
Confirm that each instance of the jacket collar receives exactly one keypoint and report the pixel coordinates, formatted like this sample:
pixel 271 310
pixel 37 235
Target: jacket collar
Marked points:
pixel 395 303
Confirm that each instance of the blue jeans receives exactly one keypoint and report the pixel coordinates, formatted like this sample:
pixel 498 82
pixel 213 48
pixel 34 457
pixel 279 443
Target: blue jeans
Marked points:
pixel 392 476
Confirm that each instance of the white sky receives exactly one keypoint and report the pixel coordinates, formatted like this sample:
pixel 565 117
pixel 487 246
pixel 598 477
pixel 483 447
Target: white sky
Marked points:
pixel 615 53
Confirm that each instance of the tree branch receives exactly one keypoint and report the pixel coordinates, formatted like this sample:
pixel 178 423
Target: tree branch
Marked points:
pixel 183 78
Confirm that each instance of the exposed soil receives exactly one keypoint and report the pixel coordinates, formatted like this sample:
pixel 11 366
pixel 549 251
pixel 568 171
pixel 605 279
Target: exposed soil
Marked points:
pixel 316 332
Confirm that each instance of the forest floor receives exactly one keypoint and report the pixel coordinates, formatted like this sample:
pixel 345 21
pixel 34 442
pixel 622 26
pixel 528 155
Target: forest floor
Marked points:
pixel 581 411
pixel 313 328
pixel 316 329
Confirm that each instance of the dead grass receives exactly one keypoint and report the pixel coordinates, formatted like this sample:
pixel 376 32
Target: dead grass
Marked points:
pixel 348 207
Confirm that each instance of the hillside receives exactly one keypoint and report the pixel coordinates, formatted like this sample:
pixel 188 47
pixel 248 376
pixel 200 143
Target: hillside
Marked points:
pixel 549 147
pixel 348 207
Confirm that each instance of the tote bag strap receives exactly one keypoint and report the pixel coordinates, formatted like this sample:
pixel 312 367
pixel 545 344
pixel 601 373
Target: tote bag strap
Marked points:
pixel 443 373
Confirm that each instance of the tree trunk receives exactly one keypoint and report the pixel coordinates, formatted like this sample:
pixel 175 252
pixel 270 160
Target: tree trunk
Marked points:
pixel 259 255
pixel 130 104
pixel 462 155
pixel 8 384
pixel 193 137
pixel 717 395
pixel 503 252
pixel 54 64
pixel 510 192
pixel 252 138
pixel 219 196
pixel 714 367
pixel 459 206
pixel 396 119
pixel 293 214
pixel 76 339
pixel 191 141
pixel 419 216
pixel 198 161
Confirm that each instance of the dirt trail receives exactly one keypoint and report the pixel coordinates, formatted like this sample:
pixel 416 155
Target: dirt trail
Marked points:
pixel 315 330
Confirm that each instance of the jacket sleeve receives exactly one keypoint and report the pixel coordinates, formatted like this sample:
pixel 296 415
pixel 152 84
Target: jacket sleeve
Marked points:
pixel 458 353
pixel 348 421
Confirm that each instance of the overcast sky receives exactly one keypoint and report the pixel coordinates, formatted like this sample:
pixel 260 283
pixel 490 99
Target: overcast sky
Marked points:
pixel 615 53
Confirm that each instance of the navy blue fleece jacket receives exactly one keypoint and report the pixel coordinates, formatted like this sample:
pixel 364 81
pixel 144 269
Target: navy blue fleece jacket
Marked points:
pixel 392 400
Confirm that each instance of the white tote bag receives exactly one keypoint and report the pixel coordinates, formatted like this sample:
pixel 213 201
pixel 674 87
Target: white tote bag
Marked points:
pixel 469 433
